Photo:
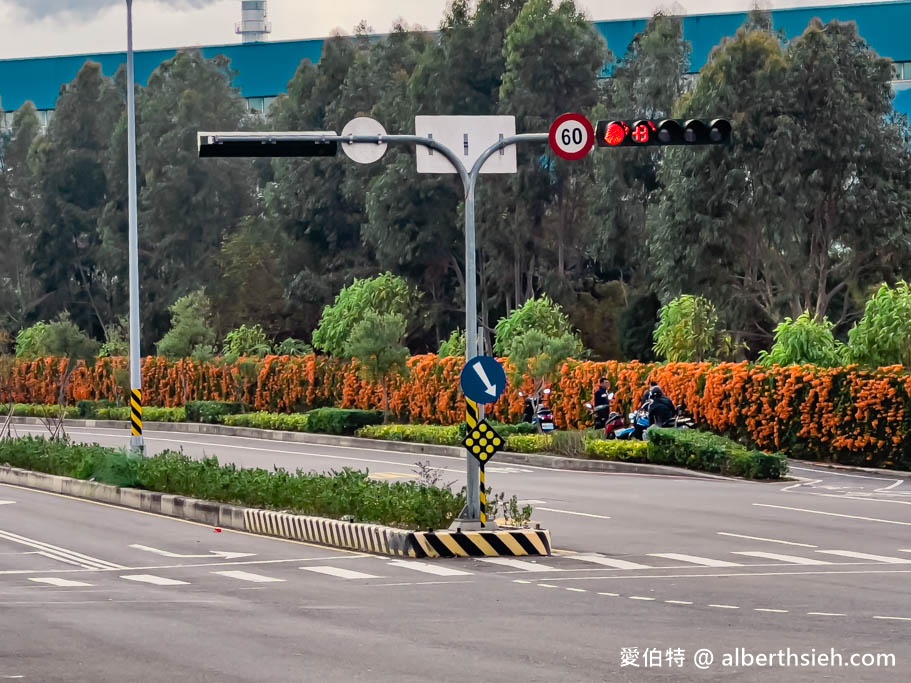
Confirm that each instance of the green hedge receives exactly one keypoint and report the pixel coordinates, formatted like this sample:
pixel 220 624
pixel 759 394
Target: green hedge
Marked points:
pixel 349 493
pixel 341 421
pixel 429 434
pixel 286 422
pixel 149 414
pixel 211 412
pixel 712 453
pixel 626 451
pixel 37 410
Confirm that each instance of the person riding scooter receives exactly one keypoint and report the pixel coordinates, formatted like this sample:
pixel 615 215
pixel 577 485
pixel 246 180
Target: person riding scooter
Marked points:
pixel 602 403
pixel 661 410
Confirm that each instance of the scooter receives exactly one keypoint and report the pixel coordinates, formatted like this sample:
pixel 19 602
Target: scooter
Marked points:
pixel 605 418
pixel 537 412
pixel 640 423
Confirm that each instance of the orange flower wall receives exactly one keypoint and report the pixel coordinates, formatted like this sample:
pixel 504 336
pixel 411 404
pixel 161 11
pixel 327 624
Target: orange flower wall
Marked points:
pixel 846 415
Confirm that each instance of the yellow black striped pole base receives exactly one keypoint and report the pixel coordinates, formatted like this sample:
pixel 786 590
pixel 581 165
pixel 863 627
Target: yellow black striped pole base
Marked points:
pixel 136 412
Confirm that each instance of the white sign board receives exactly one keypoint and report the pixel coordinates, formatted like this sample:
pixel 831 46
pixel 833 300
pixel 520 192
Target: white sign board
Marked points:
pixel 468 137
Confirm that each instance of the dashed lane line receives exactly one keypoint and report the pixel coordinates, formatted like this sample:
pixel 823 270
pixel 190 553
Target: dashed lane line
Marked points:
pixel 428 568
pixel 608 561
pixel 154 580
pixel 693 559
pixel 791 559
pixel 341 573
pixel 678 602
pixel 867 556
pixel 571 512
pixel 895 618
pixel 826 614
pixel 519 564
pixel 833 514
pixel 725 606
pixel 767 609
pixel 641 597
pixel 577 590
pixel 547 585
pixel 248 576
pixel 768 540
pixel 61 583
pixel 610 595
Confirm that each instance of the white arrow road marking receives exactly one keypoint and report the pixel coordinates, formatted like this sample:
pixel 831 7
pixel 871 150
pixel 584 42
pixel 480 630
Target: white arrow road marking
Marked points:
pixel 61 554
pixel 491 388
pixel 214 553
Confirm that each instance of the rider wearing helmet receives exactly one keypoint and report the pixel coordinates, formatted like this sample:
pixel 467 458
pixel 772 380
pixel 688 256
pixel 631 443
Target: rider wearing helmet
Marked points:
pixel 661 410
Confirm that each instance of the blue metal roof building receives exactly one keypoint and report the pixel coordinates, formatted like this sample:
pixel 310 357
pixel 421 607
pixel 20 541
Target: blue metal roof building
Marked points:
pixel 265 69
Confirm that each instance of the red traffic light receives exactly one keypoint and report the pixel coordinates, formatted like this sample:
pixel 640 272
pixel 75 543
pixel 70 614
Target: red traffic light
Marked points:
pixel 615 133
pixel 645 132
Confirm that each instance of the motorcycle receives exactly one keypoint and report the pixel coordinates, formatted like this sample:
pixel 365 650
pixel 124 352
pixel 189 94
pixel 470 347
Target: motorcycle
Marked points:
pixel 639 422
pixel 605 418
pixel 537 412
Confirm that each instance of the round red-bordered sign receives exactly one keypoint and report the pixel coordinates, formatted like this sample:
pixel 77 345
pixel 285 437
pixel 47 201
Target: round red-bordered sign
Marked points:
pixel 572 137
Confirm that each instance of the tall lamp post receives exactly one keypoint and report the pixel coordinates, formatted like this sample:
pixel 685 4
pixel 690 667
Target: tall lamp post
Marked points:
pixel 136 442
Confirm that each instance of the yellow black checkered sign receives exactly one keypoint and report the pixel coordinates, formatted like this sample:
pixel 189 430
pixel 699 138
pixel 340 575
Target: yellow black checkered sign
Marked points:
pixel 483 442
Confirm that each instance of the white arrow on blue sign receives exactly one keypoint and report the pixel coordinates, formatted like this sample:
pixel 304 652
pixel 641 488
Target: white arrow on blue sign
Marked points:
pixel 483 379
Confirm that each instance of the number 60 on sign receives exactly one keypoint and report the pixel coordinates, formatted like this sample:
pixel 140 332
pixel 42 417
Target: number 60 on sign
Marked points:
pixel 572 137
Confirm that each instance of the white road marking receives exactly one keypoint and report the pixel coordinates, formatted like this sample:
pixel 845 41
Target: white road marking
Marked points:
pixel 610 595
pixel 898 482
pixel 678 602
pixel 72 555
pixel 341 573
pixel 211 555
pixel 156 580
pixel 895 618
pixel 547 585
pixel 64 559
pixel 519 564
pixel 520 581
pixel 867 556
pixel 577 590
pixel 859 496
pixel 531 502
pixel 570 512
pixel 693 559
pixel 806 482
pixel 7 502
pixel 826 614
pixel 764 609
pixel 833 514
pixel 725 606
pixel 640 597
pixel 622 577
pixel 421 583
pixel 769 540
pixel 608 561
pixel 62 583
pixel 839 474
pixel 247 576
pixel 793 559
pixel 428 568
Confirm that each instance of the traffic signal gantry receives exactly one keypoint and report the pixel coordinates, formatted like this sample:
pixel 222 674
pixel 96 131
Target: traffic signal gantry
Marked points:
pixel 572 137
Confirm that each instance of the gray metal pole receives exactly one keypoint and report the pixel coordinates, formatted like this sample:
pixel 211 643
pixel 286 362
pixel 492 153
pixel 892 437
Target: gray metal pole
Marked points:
pixel 136 442
pixel 473 467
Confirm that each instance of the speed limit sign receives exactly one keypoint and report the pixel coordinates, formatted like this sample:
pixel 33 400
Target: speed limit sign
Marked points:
pixel 572 137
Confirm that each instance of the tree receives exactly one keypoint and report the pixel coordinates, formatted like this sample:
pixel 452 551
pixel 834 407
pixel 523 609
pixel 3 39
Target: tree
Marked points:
pixel 541 315
pixel 454 346
pixel 188 206
pixel 72 191
pixel 688 331
pixel 191 329
pixel 795 216
pixel 882 337
pixel 540 356
pixel 384 294
pixel 804 341
pixel 376 342
pixel 246 341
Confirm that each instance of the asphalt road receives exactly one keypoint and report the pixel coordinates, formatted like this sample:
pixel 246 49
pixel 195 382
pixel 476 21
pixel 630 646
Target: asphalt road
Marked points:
pixel 643 563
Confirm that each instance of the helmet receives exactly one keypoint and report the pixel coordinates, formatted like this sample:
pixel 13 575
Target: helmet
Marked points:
pixel 655 392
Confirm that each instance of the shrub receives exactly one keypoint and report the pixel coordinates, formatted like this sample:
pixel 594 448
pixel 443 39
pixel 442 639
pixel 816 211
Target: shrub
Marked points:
pixel 149 414
pixel 429 434
pixel 341 421
pixel 712 453
pixel 211 412
pixel 88 409
pixel 190 327
pixel 529 443
pixel 505 430
pixel 246 341
pixel 804 341
pixel 294 422
pixel 35 410
pixel 612 449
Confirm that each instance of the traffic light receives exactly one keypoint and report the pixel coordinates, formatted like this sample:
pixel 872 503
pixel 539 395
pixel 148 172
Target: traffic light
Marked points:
pixel 310 144
pixel 648 133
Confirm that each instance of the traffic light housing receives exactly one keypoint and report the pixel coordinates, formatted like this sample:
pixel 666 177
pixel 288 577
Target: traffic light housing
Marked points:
pixel 648 133
pixel 309 144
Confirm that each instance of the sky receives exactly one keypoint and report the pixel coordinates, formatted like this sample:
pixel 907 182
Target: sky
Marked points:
pixel 34 28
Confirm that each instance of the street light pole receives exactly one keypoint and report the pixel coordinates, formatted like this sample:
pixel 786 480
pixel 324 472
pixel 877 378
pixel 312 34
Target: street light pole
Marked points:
pixel 136 442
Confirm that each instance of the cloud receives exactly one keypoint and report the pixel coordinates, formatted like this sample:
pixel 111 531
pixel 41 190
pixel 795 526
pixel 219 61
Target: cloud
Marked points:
pixel 35 10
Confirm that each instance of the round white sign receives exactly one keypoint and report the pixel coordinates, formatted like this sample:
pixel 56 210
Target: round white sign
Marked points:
pixel 572 137
pixel 363 152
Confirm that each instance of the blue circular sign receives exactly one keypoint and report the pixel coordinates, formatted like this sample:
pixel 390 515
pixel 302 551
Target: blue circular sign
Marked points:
pixel 483 379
